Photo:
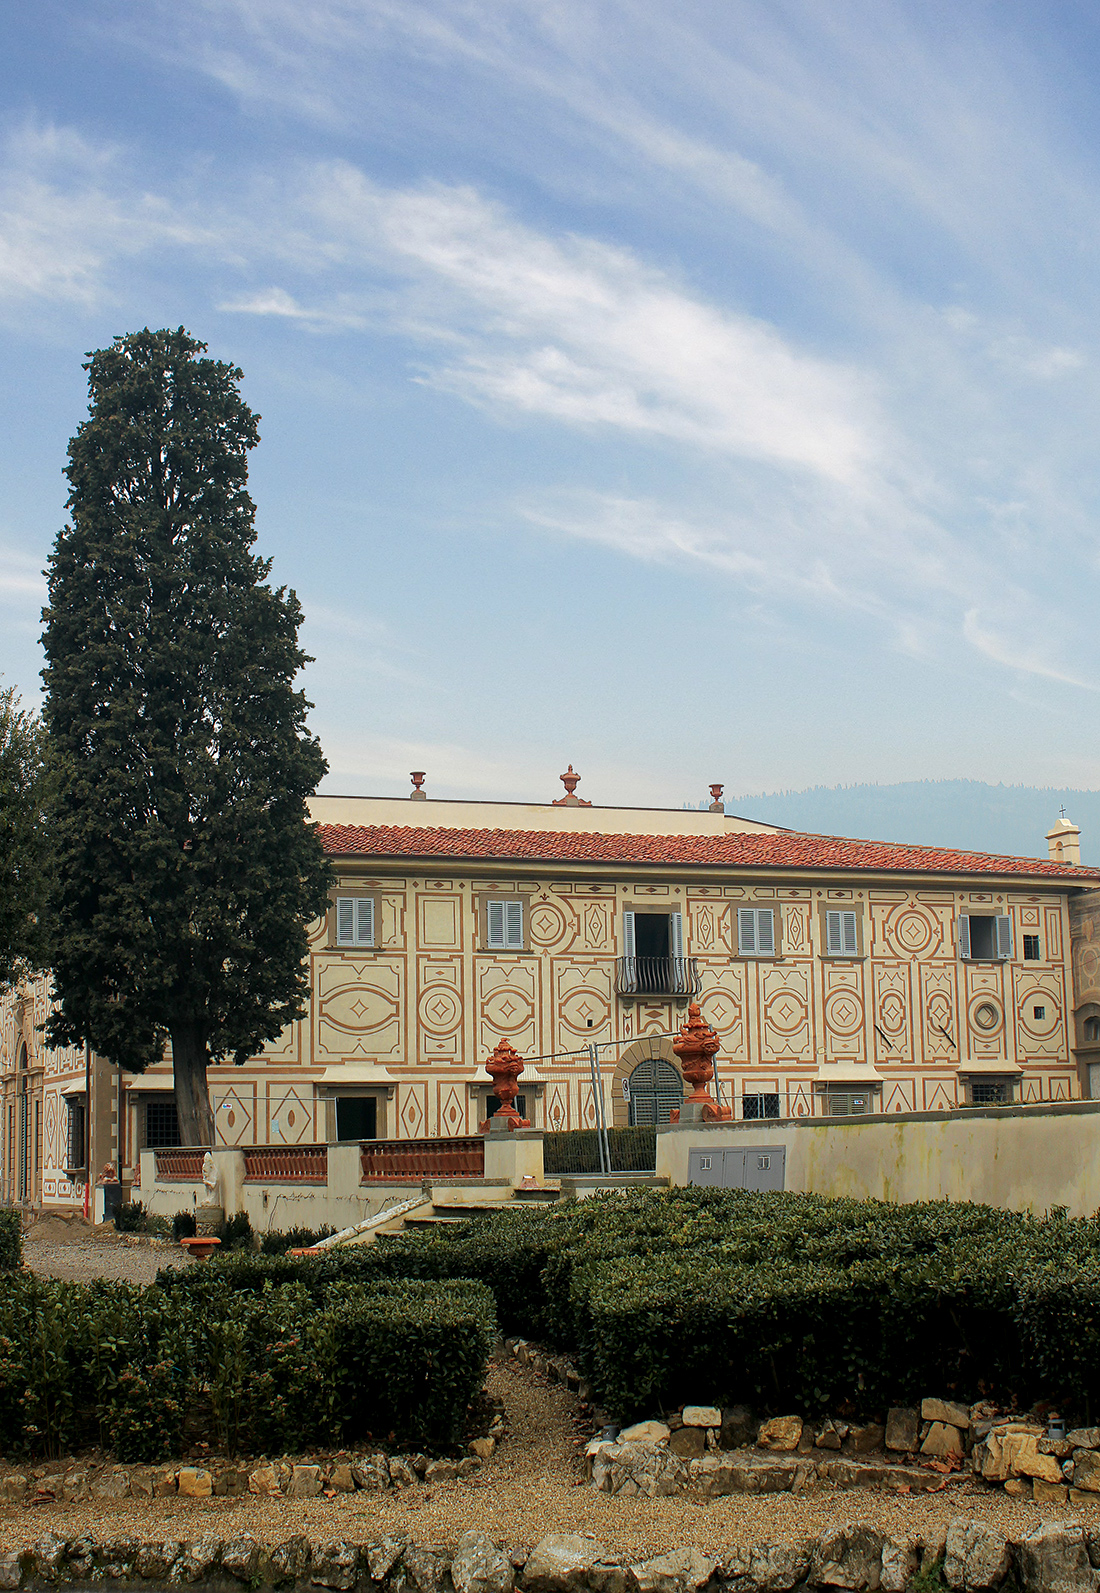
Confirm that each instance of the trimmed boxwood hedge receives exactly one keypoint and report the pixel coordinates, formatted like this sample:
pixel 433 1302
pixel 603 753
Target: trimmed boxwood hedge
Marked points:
pixel 11 1239
pixel 280 1369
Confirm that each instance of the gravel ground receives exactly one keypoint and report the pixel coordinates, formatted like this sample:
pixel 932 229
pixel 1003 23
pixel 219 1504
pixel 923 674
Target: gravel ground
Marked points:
pixel 532 1486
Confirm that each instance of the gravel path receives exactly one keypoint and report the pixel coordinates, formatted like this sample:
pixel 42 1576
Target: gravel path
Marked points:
pixel 532 1486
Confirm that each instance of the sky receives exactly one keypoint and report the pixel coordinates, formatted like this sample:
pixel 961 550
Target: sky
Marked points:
pixel 689 393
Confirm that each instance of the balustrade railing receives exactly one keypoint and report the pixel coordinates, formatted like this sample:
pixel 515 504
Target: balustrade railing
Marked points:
pixel 658 976
pixel 415 1159
pixel 184 1165
pixel 286 1164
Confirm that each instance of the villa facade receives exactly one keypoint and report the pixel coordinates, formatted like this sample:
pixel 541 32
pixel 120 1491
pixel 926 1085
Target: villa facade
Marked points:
pixel 841 977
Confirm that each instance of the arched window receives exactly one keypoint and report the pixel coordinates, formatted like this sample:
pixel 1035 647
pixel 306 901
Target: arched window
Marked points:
pixel 656 1091
pixel 1091 1029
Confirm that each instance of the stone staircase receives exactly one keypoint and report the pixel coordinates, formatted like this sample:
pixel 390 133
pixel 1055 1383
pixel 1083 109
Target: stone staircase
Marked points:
pixel 448 1213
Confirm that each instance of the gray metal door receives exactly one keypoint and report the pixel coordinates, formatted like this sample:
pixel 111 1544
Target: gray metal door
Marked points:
pixel 765 1168
pixel 757 1167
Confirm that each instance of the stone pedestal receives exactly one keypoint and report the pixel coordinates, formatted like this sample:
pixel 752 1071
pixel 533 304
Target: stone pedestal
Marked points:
pixel 208 1219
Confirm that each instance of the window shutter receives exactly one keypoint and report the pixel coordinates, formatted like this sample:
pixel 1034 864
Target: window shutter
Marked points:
pixel 850 940
pixel 676 934
pixel 628 934
pixel 345 920
pixel 513 925
pixel 765 930
pixel 964 935
pixel 494 914
pixel 365 926
pixel 832 934
pixel 1004 936
pixel 746 929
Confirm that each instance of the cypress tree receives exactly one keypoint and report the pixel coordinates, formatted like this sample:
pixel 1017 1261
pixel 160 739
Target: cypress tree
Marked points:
pixel 186 873
pixel 24 854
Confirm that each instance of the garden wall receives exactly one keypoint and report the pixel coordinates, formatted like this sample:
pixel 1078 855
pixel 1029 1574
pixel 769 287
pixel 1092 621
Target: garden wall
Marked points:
pixel 1021 1158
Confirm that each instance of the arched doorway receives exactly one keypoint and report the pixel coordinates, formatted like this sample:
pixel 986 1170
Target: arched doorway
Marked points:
pixel 656 1091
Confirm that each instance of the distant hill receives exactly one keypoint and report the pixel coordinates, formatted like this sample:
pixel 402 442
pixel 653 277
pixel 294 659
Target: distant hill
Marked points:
pixel 1012 819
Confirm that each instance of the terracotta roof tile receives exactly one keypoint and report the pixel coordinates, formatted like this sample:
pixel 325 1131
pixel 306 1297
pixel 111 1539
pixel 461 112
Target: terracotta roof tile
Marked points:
pixel 788 849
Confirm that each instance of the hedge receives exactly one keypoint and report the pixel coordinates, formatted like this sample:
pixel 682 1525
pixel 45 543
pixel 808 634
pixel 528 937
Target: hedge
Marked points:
pixel 11 1238
pixel 782 1301
pixel 277 1370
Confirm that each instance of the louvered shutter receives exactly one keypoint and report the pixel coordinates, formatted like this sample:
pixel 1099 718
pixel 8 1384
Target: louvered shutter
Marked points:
pixel 832 934
pixel 676 934
pixel 1004 936
pixel 494 914
pixel 630 966
pixel 964 935
pixel 628 934
pixel 345 920
pixel 849 939
pixel 513 925
pixel 364 928
pixel 746 929
pixel 765 931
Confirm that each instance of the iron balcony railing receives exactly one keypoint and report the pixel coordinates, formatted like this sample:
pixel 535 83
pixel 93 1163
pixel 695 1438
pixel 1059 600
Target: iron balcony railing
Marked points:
pixel 657 976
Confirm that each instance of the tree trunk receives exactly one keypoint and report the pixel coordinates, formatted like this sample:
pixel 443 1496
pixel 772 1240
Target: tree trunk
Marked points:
pixel 189 1059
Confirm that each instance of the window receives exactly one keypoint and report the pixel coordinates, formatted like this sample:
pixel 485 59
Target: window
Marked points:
pixel 990 1092
pixel 756 935
pixel 841 933
pixel 355 920
pixel 848 1103
pixel 504 925
pixel 493 1105
pixel 162 1129
pixel 760 1106
pixel 357 1117
pixel 985 937
pixel 1038 1012
pixel 74 1132
pixel 1031 948
pixel 1090 1032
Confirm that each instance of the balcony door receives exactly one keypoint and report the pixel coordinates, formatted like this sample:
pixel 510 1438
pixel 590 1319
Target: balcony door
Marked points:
pixel 654 953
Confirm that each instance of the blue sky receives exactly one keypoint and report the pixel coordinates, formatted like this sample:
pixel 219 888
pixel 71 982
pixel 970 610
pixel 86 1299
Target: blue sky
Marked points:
pixel 697 392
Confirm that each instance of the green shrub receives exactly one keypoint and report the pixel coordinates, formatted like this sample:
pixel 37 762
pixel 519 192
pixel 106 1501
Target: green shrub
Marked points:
pixel 144 1413
pixel 236 1233
pixel 11 1238
pixel 183 1225
pixel 276 1243
pixel 130 1217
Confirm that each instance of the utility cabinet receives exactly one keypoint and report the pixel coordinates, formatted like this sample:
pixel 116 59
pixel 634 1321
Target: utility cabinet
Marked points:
pixel 760 1168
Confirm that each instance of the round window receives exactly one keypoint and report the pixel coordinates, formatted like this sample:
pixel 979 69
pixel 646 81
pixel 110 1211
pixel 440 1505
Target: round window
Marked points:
pixel 986 1016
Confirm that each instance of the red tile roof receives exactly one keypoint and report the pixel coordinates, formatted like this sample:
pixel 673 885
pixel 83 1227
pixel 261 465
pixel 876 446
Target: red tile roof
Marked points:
pixel 788 849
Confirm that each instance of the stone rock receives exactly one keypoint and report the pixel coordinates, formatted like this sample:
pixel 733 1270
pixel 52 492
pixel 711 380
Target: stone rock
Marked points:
pixel 947 1411
pixel 688 1442
pixel 1060 1448
pixel 195 1561
pixel 977 1556
pixel 679 1571
pixel 402 1475
pixel 341 1479
pixel 113 1484
pixel 305 1482
pixel 468 1466
pixel 1019 1488
pixel 1055 1559
pixel 115 1558
pixel 480 1567
pixel 74 1489
pixel 441 1471
pixel 862 1440
pixel 942 1440
pixel 1049 1492
pixel 290 1559
pixel 240 1557
pixel 901 1429
pixel 195 1482
pixel 777 1567
pixel 482 1448
pixel 419 1464
pixel 264 1480
pixel 334 1564
pixel 230 1482
pixel 164 1483
pixel 629 1469
pixel 645 1433
pixel 877 1474
pixel 781 1433
pixel 738 1427
pixel 900 1562
pixel 1084 1438
pixel 372 1475
pixel 423 1570
pixel 848 1557
pixel 13 1487
pixel 11 1568
pixel 382 1556
pixel 565 1562
pixel 1021 1454
pixel 702 1416
pixel 154 1561
pixel 715 1475
pixel 832 1435
pixel 80 1556
pixel 1086 1470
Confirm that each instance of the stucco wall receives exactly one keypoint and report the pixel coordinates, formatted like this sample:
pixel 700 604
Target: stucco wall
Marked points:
pixel 1019 1158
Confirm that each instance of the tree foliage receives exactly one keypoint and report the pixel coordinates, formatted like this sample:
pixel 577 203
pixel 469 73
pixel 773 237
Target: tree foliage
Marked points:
pixel 24 857
pixel 186 871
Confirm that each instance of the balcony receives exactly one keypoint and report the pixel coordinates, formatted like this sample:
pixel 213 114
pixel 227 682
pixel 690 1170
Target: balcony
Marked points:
pixel 657 976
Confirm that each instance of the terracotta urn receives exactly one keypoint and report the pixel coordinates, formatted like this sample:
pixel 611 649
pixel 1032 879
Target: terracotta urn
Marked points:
pixel 504 1067
pixel 695 1047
